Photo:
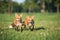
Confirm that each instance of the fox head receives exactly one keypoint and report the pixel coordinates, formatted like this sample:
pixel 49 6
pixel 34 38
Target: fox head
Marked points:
pixel 18 16
pixel 30 17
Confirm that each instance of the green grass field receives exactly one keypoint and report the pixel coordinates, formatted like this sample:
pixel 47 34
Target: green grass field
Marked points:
pixel 47 27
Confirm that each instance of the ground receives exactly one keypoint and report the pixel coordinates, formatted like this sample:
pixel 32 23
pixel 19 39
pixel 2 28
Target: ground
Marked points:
pixel 47 27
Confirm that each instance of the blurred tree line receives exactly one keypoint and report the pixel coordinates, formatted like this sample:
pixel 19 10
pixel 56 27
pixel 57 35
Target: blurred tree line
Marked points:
pixel 30 6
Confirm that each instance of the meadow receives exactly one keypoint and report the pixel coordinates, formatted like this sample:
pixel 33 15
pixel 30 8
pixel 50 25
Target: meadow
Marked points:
pixel 46 27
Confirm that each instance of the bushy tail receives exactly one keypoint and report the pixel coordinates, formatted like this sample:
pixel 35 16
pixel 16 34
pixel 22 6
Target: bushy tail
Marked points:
pixel 10 26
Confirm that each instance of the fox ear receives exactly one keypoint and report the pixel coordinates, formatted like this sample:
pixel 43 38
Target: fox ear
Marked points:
pixel 21 15
pixel 32 17
pixel 27 16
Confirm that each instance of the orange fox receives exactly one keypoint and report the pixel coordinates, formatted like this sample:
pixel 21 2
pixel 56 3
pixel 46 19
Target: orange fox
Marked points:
pixel 17 21
pixel 29 20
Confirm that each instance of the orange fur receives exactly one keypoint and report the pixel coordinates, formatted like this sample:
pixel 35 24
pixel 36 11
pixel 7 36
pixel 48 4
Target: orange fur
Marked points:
pixel 17 18
pixel 28 19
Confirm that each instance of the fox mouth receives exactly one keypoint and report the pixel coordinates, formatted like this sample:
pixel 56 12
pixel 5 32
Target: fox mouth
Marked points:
pixel 17 19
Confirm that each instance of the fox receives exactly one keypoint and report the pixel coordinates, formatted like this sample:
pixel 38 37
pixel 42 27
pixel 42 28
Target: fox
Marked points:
pixel 17 22
pixel 29 20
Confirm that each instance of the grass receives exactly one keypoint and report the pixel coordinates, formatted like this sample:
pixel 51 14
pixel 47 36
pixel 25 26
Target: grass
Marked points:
pixel 47 27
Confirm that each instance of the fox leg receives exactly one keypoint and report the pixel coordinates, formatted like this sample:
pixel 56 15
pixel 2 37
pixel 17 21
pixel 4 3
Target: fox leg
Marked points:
pixel 31 26
pixel 21 29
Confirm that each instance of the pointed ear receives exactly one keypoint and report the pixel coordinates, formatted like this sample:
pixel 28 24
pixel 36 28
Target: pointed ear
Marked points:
pixel 32 17
pixel 27 16
pixel 21 15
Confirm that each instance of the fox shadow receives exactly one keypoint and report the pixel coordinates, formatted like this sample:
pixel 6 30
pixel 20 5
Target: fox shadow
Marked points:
pixel 40 28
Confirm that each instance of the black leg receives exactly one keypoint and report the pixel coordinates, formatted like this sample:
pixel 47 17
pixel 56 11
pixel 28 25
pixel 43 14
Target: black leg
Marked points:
pixel 21 29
